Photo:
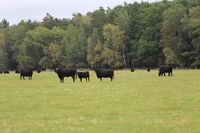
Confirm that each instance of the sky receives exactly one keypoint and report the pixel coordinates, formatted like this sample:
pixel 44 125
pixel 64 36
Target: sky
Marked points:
pixel 16 10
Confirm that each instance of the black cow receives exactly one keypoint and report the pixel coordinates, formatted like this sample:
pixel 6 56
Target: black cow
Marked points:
pixel 39 70
pixel 26 73
pixel 17 71
pixel 148 69
pixel 105 73
pixel 66 72
pixel 132 70
pixel 165 69
pixel 85 75
pixel 6 72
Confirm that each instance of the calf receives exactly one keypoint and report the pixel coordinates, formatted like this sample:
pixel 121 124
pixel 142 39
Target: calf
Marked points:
pixel 85 75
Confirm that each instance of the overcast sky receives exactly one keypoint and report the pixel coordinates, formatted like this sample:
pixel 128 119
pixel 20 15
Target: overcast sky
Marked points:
pixel 16 10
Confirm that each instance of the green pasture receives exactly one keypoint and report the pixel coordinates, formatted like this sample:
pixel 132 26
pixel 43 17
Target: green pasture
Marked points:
pixel 138 102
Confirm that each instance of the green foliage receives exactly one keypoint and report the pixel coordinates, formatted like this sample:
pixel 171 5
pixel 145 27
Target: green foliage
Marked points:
pixel 113 46
pixel 2 39
pixel 94 49
pixel 148 54
pixel 171 25
pixel 74 47
pixel 170 32
pixel 194 23
pixel 3 56
pixel 129 35
pixel 170 56
pixel 52 56
pixel 4 24
pixel 50 22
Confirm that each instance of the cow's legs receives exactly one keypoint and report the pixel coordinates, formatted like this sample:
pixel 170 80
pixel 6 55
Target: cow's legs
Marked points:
pixel 61 80
pixel 73 79
pixel 81 79
pixel 160 74
pixel 101 79
pixel 170 73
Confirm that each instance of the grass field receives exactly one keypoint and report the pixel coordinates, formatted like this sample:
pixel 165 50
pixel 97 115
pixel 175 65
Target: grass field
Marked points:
pixel 138 102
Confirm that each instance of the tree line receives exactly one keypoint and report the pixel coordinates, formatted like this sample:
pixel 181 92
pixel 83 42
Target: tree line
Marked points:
pixel 129 35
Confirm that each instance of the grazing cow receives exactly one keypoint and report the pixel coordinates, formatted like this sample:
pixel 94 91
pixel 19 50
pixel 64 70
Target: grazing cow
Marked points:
pixel 165 69
pixel 85 75
pixel 66 72
pixel 105 73
pixel 6 72
pixel 132 70
pixel 26 73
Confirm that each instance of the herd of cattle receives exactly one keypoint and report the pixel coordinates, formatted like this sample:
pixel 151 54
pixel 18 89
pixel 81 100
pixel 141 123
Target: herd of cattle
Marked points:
pixel 100 73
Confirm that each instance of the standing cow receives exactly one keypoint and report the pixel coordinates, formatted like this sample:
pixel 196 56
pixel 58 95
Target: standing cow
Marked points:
pixel 105 73
pixel 165 69
pixel 66 72
pixel 26 73
pixel 85 75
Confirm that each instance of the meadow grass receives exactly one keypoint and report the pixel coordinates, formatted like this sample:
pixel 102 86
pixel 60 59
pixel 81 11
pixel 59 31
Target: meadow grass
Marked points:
pixel 138 102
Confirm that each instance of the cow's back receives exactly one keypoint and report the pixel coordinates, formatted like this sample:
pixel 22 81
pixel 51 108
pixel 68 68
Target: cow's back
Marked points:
pixel 104 73
pixel 26 72
pixel 83 74
pixel 165 69
pixel 66 72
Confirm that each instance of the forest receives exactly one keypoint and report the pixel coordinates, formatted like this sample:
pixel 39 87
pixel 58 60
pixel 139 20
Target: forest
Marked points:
pixel 138 35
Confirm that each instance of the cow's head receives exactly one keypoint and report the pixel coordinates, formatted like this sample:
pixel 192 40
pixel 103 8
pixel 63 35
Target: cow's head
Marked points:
pixel 56 70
